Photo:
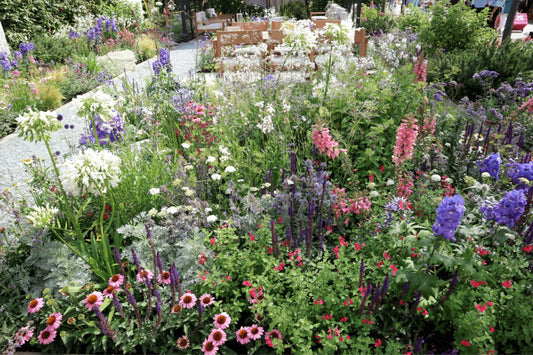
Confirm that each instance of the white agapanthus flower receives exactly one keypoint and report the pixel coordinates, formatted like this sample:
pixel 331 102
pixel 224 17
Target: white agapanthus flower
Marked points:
pixel 224 150
pixel 212 218
pixel 266 125
pixel 37 126
pixel 154 191
pixel 216 177
pixel 99 103
pixel 230 169
pixel 42 217
pixel 91 172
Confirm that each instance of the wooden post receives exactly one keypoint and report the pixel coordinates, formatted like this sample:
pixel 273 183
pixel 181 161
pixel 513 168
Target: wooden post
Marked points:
pixel 360 38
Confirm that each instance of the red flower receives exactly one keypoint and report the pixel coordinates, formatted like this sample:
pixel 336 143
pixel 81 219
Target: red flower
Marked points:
pixel 492 329
pixel 252 238
pixel 386 255
pixel 319 301
pixel 247 283
pixel 394 269
pixel 481 308
pixel 344 319
pixel 380 264
pixel 528 248
pixel 465 342
pixel 357 246
pixel 507 284
pixel 475 283
pixel 378 343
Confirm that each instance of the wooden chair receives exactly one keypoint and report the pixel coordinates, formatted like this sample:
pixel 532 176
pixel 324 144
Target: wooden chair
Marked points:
pixel 321 15
pixel 250 26
pixel 234 39
pixel 322 23
pixel 361 39
pixel 203 24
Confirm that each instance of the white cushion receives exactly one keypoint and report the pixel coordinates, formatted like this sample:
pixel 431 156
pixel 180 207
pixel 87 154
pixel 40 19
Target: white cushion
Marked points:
pixel 200 16
pixel 210 26
pixel 211 12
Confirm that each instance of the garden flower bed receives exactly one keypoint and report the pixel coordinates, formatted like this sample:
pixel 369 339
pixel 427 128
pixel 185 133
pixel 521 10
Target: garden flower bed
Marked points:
pixel 359 208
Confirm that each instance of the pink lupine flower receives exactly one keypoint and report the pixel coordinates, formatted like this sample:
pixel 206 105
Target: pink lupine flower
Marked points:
pixel 325 143
pixel 405 141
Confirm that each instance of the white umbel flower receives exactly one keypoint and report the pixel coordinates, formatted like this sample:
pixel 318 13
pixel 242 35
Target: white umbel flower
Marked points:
pixel 212 218
pixel 91 172
pixel 230 169
pixel 42 217
pixel 37 126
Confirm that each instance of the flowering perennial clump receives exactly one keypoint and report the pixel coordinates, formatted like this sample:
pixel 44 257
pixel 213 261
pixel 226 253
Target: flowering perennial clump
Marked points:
pixel 491 165
pixel 98 104
pixel 508 210
pixel 163 62
pixel 91 171
pixel 325 143
pixel 37 126
pixel 517 171
pixel 449 215
pixel 405 141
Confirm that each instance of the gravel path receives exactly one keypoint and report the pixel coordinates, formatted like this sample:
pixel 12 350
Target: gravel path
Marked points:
pixel 13 150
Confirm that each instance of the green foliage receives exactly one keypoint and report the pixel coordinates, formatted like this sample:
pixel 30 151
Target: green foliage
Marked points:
pixel 233 7
pixel 21 24
pixel 455 28
pixel 375 21
pixel 413 19
pixel 50 49
pixel 50 97
pixel 320 5
pixel 510 59
pixel 295 10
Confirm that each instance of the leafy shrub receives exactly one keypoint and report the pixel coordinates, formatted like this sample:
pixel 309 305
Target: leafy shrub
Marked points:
pixel 413 19
pixel 375 21
pixel 21 25
pixel 295 10
pixel 455 28
pixel 320 5
pixel 510 60
pixel 49 49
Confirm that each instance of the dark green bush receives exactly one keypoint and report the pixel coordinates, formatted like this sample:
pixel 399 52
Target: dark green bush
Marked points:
pixel 49 49
pixel 295 10
pixel 511 59
pixel 375 21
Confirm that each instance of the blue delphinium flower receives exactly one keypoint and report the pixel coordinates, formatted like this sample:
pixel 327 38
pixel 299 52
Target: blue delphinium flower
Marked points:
pixel 73 35
pixel 108 132
pixel 449 215
pixel 491 165
pixel 4 62
pixel 508 210
pixel 163 62
pixel 110 25
pixel 25 48
pixel 517 171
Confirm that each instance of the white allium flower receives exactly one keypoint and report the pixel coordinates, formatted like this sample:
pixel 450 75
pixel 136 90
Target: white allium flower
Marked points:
pixel 154 191
pixel 42 217
pixel 374 194
pixel 207 210
pixel 152 212
pixel 435 178
pixel 37 126
pixel 216 177
pixel 212 218
pixel 390 182
pixel 185 145
pixel 485 175
pixel 230 169
pixel 211 159
pixel 91 172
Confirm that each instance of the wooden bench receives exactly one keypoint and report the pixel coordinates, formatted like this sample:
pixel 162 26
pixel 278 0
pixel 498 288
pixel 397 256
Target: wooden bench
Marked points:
pixel 317 24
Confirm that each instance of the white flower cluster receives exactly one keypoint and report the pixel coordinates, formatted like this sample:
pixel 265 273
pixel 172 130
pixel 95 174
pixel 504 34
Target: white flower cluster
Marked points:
pixel 99 103
pixel 42 217
pixel 299 37
pixel 37 126
pixel 338 34
pixel 267 125
pixel 91 172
